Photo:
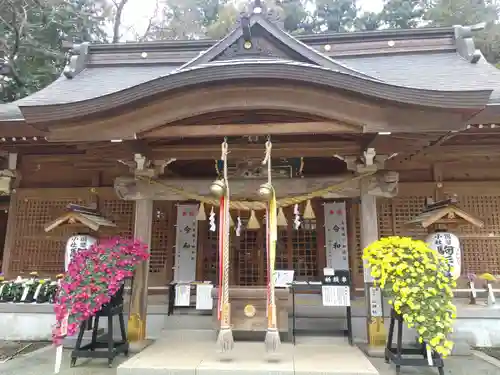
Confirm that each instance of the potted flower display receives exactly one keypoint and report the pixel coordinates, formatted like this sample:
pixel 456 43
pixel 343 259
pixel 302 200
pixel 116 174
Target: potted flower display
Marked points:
pixel 94 280
pixel 417 280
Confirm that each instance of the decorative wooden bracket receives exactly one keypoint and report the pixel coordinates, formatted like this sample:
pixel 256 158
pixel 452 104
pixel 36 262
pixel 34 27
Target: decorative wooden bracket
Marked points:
pixel 143 167
pixel 369 161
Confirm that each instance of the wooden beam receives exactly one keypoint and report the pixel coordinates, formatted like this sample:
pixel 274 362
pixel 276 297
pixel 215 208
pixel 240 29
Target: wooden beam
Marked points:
pixel 383 184
pixel 191 131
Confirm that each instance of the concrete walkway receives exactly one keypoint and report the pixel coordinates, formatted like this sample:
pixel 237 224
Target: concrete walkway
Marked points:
pixel 42 363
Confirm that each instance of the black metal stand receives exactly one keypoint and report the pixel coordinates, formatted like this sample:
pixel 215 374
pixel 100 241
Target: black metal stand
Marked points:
pixel 315 288
pixel 171 298
pixel 113 348
pixel 395 355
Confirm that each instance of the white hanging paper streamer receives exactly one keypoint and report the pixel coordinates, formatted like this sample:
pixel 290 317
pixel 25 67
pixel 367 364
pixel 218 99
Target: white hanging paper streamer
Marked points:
pixel 213 227
pixel 429 355
pixel 491 296
pixel 238 226
pixel 296 221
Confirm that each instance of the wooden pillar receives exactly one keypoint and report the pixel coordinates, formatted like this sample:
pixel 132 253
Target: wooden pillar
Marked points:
pixel 139 298
pixel 373 296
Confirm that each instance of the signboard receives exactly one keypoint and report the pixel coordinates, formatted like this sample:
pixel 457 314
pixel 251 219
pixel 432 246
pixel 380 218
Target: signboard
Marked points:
pixel 75 243
pixel 186 243
pixel 376 307
pixel 336 235
pixel 448 245
pixel 336 290
pixel 283 278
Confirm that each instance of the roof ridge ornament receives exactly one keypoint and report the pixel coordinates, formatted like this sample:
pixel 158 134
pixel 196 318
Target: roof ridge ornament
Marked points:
pixel 78 57
pixel 464 41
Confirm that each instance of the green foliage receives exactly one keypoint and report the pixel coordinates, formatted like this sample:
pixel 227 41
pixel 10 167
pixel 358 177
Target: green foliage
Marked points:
pixel 467 12
pixel 403 14
pixel 335 15
pixel 32 36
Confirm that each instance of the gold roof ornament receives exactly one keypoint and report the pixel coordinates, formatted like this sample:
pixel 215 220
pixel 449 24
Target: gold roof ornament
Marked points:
pixel 76 214
pixel 445 214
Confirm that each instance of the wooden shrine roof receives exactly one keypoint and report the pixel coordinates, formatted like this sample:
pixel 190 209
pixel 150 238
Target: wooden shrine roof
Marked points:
pixel 445 212
pixel 76 214
pixel 435 68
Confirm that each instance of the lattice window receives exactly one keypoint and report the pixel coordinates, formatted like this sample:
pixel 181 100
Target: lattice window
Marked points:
pixel 305 251
pixel 32 249
pixel 282 257
pixel 487 208
pixel 122 214
pixel 161 249
pixel 481 246
pixel 249 250
pixel 385 218
pixel 405 209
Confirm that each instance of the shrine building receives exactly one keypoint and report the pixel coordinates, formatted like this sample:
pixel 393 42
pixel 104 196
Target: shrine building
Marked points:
pixel 366 127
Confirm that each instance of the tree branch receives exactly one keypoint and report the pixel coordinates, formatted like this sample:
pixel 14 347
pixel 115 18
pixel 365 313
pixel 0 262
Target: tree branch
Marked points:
pixel 118 19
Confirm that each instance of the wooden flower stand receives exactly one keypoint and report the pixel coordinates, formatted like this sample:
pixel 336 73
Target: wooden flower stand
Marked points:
pixel 112 348
pixel 398 355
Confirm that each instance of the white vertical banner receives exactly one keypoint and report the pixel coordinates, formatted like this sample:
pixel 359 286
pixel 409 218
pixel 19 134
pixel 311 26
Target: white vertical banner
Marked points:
pixel 337 256
pixel 186 243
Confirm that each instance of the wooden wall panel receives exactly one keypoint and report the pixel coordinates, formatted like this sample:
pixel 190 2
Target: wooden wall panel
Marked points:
pixel 480 246
pixel 162 240
pixel 29 248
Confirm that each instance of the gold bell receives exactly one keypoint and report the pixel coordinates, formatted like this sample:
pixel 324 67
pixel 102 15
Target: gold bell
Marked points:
pixel 218 188
pixel 266 191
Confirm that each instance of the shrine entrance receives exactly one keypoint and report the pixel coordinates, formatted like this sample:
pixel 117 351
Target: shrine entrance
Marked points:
pixel 296 250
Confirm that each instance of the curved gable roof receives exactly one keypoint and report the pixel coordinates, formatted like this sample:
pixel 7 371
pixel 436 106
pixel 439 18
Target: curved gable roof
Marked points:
pixel 286 71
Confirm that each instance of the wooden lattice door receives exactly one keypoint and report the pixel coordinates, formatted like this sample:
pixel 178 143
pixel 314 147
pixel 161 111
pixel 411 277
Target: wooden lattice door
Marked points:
pixel 249 254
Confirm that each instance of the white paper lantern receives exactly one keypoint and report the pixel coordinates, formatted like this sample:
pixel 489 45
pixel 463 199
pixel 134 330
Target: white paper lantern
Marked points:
pixel 448 245
pixel 75 243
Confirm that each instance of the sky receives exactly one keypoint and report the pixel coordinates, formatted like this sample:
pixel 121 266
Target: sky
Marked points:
pixel 137 12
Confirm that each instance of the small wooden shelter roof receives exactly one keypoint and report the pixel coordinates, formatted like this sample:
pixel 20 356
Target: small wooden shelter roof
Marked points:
pixel 86 216
pixel 445 212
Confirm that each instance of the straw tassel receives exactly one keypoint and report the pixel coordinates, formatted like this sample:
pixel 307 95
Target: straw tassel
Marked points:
pixel 253 223
pixel 282 222
pixel 308 211
pixel 202 216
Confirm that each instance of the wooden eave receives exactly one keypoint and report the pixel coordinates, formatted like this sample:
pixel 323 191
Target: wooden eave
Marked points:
pixel 442 215
pixel 93 222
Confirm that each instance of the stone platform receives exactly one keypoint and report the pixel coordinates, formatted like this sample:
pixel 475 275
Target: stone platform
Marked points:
pixel 195 353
